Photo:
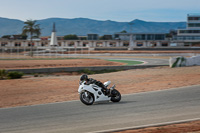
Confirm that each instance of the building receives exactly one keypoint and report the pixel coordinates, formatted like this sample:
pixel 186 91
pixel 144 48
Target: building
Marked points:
pixel 93 37
pixel 106 37
pixel 188 37
pixel 191 35
pixel 144 39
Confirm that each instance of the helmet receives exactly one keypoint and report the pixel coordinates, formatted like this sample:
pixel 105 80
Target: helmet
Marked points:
pixel 84 77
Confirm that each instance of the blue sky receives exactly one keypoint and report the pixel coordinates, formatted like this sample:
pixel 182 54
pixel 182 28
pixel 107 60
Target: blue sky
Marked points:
pixel 116 10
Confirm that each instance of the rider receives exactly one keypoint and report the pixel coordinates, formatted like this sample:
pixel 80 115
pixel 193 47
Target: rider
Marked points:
pixel 84 77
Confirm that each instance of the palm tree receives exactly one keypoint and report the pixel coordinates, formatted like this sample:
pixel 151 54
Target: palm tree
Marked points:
pixel 31 29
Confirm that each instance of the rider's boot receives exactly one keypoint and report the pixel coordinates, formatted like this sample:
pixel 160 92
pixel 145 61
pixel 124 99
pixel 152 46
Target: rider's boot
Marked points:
pixel 106 91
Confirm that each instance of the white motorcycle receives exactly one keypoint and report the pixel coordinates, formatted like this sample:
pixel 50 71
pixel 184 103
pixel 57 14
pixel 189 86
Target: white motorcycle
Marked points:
pixel 92 93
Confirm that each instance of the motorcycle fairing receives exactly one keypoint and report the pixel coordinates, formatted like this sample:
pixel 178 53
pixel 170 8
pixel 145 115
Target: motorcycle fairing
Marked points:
pixel 95 90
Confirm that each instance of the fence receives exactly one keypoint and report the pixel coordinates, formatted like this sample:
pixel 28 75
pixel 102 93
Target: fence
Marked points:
pixel 64 52
pixel 40 52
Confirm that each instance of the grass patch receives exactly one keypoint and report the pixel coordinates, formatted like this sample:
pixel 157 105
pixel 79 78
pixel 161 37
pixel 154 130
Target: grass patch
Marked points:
pixel 128 62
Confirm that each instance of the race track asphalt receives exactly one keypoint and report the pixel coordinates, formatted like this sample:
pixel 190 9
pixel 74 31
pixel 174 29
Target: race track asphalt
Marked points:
pixel 134 110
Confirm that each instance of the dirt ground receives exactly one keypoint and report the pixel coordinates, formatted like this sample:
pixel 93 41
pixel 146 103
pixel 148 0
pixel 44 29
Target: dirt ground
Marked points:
pixel 146 52
pixel 22 64
pixel 190 127
pixel 32 90
pixel 63 87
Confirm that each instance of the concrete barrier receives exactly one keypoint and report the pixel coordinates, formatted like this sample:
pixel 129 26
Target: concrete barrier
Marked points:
pixel 177 61
pixel 183 61
pixel 76 69
pixel 193 61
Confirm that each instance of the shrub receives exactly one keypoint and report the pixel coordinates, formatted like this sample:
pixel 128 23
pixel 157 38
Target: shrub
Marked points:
pixel 36 75
pixel 87 71
pixel 14 75
pixel 3 74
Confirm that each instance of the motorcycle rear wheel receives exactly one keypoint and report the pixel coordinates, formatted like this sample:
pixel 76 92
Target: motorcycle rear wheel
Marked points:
pixel 115 96
pixel 87 98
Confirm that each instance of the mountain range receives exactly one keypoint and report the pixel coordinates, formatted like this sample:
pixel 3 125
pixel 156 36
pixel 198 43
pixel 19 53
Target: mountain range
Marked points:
pixel 84 26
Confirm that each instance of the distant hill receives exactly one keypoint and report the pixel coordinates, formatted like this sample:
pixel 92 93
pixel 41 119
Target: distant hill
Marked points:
pixel 10 26
pixel 84 26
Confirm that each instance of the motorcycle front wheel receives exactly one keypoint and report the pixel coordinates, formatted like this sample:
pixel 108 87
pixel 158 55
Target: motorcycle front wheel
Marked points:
pixel 115 96
pixel 86 98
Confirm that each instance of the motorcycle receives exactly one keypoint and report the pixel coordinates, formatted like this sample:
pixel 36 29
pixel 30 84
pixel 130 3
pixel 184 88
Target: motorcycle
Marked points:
pixel 92 93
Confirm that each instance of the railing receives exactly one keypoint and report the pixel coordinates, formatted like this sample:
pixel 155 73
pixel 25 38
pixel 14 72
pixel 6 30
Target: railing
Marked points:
pixel 40 52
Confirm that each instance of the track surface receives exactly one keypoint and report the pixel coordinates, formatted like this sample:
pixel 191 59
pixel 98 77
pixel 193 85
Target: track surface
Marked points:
pixel 147 61
pixel 133 110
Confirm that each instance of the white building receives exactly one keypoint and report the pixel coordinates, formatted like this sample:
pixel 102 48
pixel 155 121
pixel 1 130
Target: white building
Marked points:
pixel 144 39
pixel 191 35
